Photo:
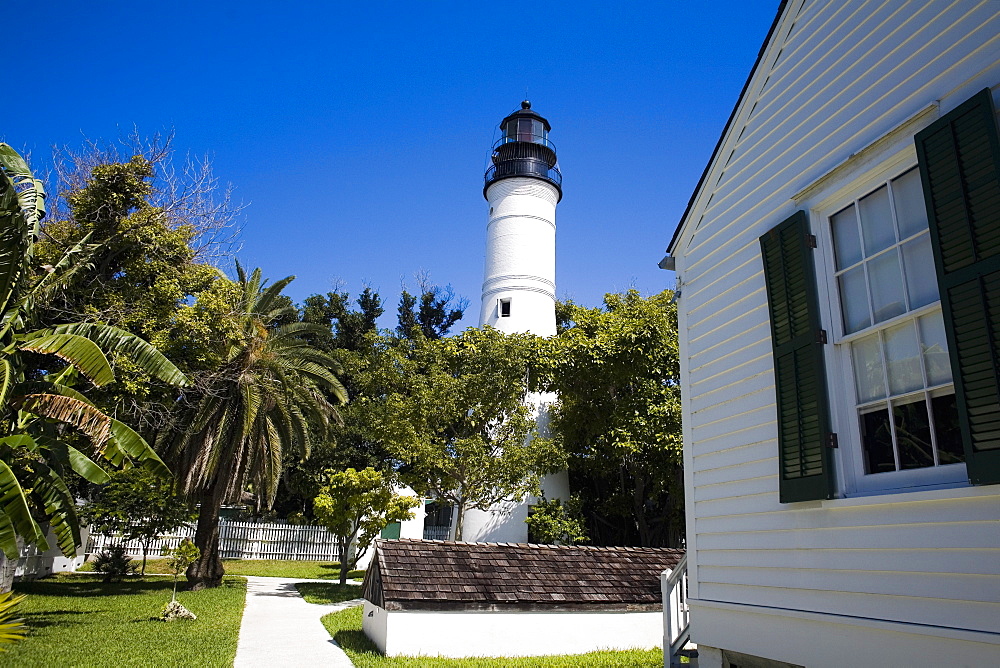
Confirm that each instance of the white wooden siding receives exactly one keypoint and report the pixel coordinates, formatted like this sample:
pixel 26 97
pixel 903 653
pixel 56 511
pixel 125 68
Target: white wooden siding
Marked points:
pixel 848 73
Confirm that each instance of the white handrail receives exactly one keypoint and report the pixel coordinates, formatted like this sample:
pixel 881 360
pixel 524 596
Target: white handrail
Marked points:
pixel 673 588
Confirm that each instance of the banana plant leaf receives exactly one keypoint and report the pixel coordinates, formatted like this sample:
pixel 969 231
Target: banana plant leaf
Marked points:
pixel 59 507
pixel 85 417
pixel 109 338
pixel 14 506
pixel 135 446
pixel 79 351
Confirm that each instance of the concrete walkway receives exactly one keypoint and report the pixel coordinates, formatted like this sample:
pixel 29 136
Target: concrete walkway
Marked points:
pixel 280 629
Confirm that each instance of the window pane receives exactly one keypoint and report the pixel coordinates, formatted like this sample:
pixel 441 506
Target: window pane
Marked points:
pixel 887 286
pixel 854 300
pixel 913 434
pixel 909 199
pixel 935 349
pixel 877 441
pixel 846 242
pixel 876 221
pixel 903 358
pixel 949 437
pixel 921 279
pixel 868 369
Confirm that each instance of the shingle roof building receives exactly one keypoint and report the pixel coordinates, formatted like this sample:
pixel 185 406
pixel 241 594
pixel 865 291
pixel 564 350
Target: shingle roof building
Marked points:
pixel 443 575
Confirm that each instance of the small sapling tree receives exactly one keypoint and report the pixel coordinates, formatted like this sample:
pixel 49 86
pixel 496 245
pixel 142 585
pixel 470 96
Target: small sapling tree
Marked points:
pixel 355 506
pixel 182 556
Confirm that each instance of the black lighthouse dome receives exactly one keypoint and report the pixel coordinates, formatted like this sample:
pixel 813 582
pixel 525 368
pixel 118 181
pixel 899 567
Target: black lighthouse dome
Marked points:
pixel 524 150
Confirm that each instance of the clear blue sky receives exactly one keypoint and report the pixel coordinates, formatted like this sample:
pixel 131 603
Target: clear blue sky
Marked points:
pixel 357 133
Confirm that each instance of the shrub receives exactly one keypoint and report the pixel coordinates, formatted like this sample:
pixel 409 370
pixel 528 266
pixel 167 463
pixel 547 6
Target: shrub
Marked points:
pixel 114 563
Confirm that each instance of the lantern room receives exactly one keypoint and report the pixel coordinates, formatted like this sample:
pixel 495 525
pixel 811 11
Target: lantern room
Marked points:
pixel 524 150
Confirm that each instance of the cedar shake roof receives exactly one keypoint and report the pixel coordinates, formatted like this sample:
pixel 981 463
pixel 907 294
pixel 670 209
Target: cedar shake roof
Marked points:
pixel 412 574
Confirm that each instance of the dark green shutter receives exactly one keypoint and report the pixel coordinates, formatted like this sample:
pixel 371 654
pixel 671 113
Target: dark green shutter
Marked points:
pixel 806 468
pixel 392 530
pixel 959 157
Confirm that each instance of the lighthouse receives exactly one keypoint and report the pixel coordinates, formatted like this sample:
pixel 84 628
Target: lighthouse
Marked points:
pixel 522 185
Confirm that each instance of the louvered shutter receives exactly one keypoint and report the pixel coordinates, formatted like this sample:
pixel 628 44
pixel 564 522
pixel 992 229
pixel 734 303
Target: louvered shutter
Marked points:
pixel 806 470
pixel 959 158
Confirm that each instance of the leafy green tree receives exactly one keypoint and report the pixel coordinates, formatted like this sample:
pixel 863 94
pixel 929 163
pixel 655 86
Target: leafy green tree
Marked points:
pixel 36 448
pixel 269 393
pixel 137 505
pixel 430 314
pixel 460 423
pixel 151 227
pixel 616 371
pixel 553 522
pixel 355 506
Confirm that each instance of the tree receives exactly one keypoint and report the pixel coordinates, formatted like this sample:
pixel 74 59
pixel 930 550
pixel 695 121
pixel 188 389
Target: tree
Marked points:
pixel 355 506
pixel 616 371
pixel 36 448
pixel 268 394
pixel 137 505
pixel 432 313
pixel 460 422
pixel 551 521
pixel 151 228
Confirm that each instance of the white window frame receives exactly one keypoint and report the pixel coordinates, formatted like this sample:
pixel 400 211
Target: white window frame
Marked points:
pixel 849 457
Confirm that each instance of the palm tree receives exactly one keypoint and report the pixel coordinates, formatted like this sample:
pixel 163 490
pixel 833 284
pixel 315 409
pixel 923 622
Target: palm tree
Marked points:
pixel 36 448
pixel 273 391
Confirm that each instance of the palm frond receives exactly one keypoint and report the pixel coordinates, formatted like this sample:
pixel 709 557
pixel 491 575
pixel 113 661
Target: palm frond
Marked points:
pixel 11 629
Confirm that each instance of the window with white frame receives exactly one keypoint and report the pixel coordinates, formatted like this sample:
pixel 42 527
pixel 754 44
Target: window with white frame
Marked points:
pixel 892 331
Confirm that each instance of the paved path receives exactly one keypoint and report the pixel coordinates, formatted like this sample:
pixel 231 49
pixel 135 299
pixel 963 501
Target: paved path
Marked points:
pixel 280 629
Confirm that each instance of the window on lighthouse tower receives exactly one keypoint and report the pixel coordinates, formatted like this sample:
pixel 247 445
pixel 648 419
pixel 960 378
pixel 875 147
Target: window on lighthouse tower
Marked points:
pixel 503 305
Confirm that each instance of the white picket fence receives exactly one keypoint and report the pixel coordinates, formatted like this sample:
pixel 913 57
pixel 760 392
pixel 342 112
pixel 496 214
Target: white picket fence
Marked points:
pixel 243 540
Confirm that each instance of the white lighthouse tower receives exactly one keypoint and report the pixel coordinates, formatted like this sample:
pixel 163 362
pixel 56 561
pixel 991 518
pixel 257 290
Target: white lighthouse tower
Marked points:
pixel 522 185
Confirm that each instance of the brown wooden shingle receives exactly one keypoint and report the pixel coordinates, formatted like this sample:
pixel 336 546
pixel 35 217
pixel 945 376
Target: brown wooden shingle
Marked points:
pixel 432 574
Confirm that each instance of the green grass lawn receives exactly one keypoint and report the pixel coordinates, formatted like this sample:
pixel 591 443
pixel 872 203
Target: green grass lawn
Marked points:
pixel 77 620
pixel 311 570
pixel 345 627
pixel 324 593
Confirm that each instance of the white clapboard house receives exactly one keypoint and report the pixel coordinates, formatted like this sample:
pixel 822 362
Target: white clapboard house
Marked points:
pixel 839 276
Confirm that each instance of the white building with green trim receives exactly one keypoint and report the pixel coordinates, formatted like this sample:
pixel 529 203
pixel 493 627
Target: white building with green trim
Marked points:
pixel 839 276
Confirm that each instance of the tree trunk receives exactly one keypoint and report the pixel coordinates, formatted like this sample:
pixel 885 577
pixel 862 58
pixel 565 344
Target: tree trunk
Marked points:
pixel 7 568
pixel 459 519
pixel 207 570
pixel 345 559
pixel 145 550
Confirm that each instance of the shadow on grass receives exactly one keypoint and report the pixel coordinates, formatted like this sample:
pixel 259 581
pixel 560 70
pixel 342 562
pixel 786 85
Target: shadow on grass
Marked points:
pixel 326 593
pixel 332 572
pixel 355 641
pixel 90 586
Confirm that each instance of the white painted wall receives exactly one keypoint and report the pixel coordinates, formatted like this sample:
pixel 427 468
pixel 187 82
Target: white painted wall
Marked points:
pixel 905 567
pixel 34 563
pixel 521 256
pixel 373 623
pixel 458 634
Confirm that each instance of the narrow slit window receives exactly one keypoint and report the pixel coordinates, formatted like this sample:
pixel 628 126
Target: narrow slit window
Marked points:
pixel 503 306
